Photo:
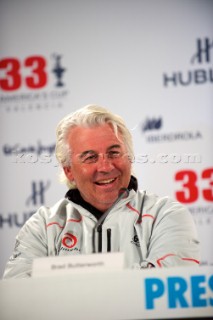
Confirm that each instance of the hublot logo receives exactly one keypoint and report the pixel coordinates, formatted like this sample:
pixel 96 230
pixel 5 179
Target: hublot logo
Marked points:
pixel 36 198
pixel 38 191
pixel 199 76
pixel 203 53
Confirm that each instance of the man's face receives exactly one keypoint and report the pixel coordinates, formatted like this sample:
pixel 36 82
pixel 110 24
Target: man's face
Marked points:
pixel 100 165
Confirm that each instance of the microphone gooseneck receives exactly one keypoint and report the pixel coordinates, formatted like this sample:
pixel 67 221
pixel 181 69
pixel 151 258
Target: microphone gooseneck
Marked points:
pixel 123 193
pixel 141 208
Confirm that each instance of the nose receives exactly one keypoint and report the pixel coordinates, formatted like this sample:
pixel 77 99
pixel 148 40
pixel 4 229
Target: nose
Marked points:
pixel 104 163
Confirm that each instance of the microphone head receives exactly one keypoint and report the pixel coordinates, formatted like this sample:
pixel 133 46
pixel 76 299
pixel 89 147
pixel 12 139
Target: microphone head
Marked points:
pixel 123 193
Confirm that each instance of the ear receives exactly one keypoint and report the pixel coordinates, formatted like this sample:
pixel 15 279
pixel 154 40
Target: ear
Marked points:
pixel 68 173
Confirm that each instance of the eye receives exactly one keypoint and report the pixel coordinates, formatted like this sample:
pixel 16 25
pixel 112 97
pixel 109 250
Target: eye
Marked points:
pixel 114 154
pixel 90 159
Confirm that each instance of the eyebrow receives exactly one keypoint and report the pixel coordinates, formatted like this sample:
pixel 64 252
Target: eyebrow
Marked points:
pixel 85 153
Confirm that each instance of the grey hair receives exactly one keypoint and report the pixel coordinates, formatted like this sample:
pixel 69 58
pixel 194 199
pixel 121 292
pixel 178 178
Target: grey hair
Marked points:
pixel 88 116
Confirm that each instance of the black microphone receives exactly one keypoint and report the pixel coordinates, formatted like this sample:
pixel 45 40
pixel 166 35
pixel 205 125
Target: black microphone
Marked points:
pixel 123 193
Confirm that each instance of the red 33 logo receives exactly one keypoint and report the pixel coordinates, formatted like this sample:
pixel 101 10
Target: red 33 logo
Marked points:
pixel 190 191
pixel 13 71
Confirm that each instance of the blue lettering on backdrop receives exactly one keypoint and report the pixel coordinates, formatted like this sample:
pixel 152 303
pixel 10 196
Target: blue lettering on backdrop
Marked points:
pixel 175 289
pixel 197 291
pixel 15 219
pixel 154 289
pixel 37 148
pixel 211 287
pixel 177 286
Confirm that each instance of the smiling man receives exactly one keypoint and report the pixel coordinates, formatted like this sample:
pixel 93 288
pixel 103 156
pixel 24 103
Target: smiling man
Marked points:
pixel 94 148
pixel 99 164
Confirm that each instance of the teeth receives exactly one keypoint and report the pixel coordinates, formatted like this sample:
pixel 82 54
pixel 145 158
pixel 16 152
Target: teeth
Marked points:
pixel 106 181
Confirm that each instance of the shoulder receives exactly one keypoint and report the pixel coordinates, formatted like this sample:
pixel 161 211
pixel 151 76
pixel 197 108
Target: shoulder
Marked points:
pixel 44 214
pixel 163 205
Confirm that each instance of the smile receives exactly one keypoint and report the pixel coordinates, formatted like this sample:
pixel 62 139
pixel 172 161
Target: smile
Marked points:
pixel 103 182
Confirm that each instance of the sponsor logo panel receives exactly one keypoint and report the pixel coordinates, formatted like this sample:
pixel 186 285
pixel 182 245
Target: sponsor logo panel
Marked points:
pixel 35 199
pixel 200 68
pixel 151 130
pixel 33 83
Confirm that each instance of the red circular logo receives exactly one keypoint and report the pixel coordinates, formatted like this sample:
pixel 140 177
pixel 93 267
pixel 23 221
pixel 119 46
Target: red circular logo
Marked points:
pixel 69 240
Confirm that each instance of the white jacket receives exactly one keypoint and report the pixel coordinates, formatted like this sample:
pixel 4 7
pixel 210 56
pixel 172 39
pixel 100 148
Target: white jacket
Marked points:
pixel 165 235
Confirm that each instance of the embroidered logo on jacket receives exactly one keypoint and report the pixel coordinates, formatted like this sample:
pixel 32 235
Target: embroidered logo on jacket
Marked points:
pixel 135 241
pixel 69 240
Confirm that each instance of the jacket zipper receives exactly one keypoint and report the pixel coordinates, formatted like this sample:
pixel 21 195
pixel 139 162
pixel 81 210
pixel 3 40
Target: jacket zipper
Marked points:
pixel 108 240
pixel 99 230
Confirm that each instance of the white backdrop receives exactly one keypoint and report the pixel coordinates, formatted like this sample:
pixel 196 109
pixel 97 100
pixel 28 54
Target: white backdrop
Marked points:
pixel 150 61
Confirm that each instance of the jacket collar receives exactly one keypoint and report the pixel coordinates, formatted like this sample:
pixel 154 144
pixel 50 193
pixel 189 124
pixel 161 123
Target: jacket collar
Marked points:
pixel 75 196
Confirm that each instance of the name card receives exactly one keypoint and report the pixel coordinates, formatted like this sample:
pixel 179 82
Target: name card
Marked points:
pixel 63 265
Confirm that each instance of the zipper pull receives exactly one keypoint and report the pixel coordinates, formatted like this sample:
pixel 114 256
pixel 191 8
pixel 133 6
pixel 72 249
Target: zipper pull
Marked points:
pixel 99 230
pixel 108 240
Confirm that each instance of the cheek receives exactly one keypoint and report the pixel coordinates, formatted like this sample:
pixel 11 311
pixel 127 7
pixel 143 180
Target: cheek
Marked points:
pixel 85 172
pixel 81 172
pixel 125 164
pixel 128 169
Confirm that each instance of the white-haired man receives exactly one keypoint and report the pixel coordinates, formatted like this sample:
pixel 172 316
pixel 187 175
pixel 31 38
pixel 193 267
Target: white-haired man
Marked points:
pixel 95 150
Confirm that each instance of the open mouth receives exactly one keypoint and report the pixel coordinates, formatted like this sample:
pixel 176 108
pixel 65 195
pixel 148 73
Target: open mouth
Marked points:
pixel 105 182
